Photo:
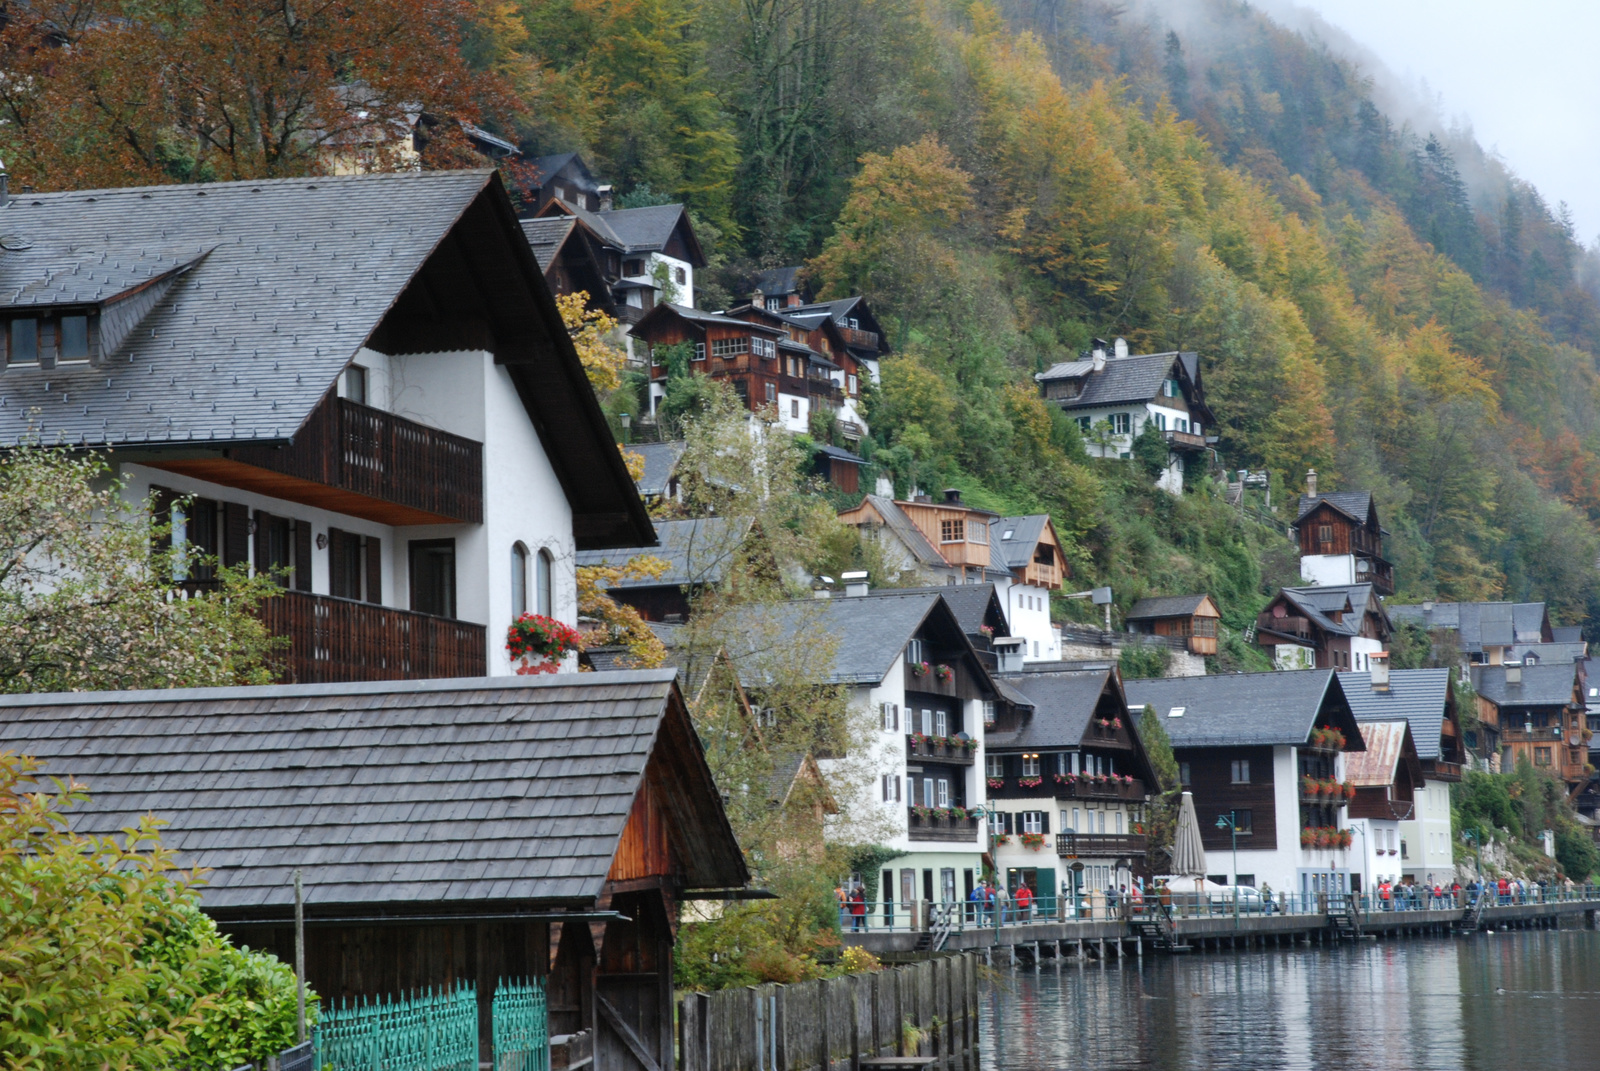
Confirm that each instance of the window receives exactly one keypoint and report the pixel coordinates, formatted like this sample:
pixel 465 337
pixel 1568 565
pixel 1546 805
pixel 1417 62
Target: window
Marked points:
pixel 680 276
pixel 994 766
pixel 1119 423
pixel 1170 388
pixel 74 338
pixel 891 716
pixel 853 385
pixel 1030 766
pixel 433 576
pixel 24 340
pixel 699 351
pixel 273 547
pixel 544 584
pixel 977 531
pixel 772 304
pixel 1325 533
pixel 1085 423
pixel 1241 771
pixel 633 267
pixel 944 792
pixel 1541 756
pixel 891 788
pixel 997 824
pixel 772 392
pixel 927 722
pixel 730 347
pixel 352 560
pixel 1161 421
pixel 764 347
pixel 794 408
pixel 1242 819
pixel 927 792
pixel 988 712
pixel 519 580
pixel 952 531
pixel 941 723
pixel 1032 822
pixel 1183 773
pixel 355 384
pixel 915 652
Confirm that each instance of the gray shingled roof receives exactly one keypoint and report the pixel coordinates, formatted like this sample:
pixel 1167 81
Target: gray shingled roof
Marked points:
pixel 1165 606
pixel 1543 685
pixel 1062 706
pixel 507 788
pixel 1026 532
pixel 778 281
pixel 1131 379
pixel 896 521
pixel 1356 503
pixel 1318 604
pixel 1417 695
pixel 697 551
pixel 1552 653
pixel 839 454
pixel 1567 634
pixel 545 236
pixel 296 275
pixel 635 230
pixel 1478 624
pixel 660 462
pixel 973 604
pixel 1246 708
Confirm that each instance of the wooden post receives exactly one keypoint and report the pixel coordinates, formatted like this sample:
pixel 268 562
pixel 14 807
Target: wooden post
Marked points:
pixel 299 960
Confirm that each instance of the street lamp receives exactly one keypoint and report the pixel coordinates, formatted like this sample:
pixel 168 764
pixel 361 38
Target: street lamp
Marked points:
pixel 1230 822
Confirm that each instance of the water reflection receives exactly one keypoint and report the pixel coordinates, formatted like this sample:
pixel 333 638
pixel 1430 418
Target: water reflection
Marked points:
pixel 1489 1003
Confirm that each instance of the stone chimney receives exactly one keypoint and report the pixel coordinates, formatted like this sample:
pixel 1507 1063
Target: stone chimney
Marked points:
pixel 1120 348
pixel 1098 355
pixel 607 197
pixel 855 584
pixel 758 299
pixel 1379 664
pixel 1311 483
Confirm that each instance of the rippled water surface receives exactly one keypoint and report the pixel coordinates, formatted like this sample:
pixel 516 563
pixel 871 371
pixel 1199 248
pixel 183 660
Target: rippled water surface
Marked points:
pixel 1487 1003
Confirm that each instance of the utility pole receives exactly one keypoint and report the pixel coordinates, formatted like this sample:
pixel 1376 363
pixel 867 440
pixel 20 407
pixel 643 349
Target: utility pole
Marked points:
pixel 299 960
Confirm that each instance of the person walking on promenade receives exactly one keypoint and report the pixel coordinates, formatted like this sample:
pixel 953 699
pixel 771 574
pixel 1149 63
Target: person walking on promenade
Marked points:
pixel 858 908
pixel 1024 903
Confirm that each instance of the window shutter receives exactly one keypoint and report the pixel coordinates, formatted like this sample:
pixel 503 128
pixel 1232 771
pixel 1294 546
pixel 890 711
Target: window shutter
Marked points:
pixel 897 788
pixel 1008 823
pixel 374 569
pixel 337 581
pixel 1044 821
pixel 894 711
pixel 235 534
pixel 302 555
pixel 163 513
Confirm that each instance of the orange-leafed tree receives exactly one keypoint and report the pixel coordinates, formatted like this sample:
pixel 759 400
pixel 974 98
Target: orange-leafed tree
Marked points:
pixel 135 92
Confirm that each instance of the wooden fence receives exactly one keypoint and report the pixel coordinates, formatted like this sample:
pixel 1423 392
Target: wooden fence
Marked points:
pixel 826 1025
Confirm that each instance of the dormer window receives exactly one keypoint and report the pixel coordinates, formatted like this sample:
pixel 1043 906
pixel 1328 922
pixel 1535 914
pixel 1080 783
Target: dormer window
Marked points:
pixel 74 338
pixel 23 341
pixel 47 340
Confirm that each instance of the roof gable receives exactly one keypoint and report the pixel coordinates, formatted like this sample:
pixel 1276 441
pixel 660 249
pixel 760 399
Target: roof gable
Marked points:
pixel 1356 505
pixel 1158 606
pixel 1421 696
pixel 1247 708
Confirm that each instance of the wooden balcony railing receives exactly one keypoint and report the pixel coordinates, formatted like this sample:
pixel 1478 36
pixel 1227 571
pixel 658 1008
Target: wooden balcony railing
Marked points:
pixel 854 336
pixel 933 827
pixel 1065 787
pixel 337 640
pixel 939 749
pixel 1185 440
pixel 1439 770
pixel 432 475
pixel 1100 845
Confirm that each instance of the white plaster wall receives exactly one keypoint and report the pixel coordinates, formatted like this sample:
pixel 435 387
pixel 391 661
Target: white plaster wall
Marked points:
pixel 1429 837
pixel 1368 852
pixel 1032 622
pixel 788 404
pixel 1362 648
pixel 1283 866
pixel 1293 656
pixel 1326 570
pixel 685 295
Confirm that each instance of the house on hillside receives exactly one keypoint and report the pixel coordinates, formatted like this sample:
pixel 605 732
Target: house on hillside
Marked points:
pixel 699 553
pixel 1385 780
pixel 904 660
pixel 980 612
pixel 857 326
pixel 1341 540
pixel 448 831
pixel 952 543
pixel 819 370
pixel 781 288
pixel 1424 699
pixel 1068 781
pixel 1114 395
pixel 1246 745
pixel 655 249
pixel 1336 627
pixel 742 353
pixel 1489 633
pixel 659 482
pixel 565 177
pixel 310 376
pixel 1537 713
pixel 573 259
pixel 1190 618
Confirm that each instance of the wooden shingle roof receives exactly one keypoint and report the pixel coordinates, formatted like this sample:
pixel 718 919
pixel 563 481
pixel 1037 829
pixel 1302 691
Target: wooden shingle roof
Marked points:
pixel 492 790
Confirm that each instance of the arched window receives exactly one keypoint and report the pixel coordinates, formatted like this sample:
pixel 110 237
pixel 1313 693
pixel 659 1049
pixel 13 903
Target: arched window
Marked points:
pixel 546 583
pixel 519 580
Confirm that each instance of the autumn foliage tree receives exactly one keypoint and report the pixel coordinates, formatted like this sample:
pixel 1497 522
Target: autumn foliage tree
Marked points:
pixel 126 92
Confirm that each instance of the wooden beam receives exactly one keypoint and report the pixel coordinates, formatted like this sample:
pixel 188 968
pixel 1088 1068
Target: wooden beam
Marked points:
pixel 625 1032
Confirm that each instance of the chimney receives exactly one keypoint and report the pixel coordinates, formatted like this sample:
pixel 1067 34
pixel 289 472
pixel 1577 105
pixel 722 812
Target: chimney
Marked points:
pixel 1120 348
pixel 1379 665
pixel 607 197
pixel 952 496
pixel 1098 355
pixel 822 587
pixel 1008 653
pixel 5 185
pixel 793 301
pixel 1311 483
pixel 1513 672
pixel 922 499
pixel 855 584
pixel 758 299
pixel 1427 606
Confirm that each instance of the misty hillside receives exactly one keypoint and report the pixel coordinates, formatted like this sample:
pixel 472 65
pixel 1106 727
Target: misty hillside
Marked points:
pixel 1369 297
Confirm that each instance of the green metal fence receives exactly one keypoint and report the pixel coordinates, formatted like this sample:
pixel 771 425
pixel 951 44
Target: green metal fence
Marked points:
pixel 432 1031
pixel 521 1026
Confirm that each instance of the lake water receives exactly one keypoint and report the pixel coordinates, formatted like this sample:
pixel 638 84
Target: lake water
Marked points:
pixel 1405 1005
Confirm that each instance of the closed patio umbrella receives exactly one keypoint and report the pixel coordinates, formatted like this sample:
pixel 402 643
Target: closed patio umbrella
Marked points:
pixel 1188 854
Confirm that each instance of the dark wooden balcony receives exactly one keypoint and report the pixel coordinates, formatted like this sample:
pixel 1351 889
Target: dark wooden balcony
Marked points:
pixel 964 830
pixel 1439 770
pixel 1378 573
pixel 939 749
pixel 854 336
pixel 337 640
pixel 1066 787
pixel 1101 845
pixel 1185 441
pixel 353 459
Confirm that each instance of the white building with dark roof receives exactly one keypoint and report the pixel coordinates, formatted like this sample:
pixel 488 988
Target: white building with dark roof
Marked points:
pixel 311 376
pixel 1114 395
